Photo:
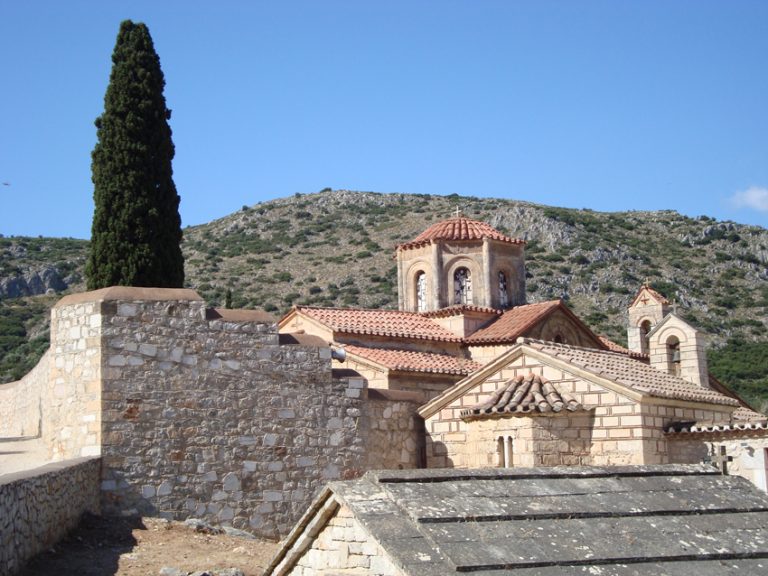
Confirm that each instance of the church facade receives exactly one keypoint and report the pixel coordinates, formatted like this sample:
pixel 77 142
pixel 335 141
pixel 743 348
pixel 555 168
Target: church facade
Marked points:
pixel 510 384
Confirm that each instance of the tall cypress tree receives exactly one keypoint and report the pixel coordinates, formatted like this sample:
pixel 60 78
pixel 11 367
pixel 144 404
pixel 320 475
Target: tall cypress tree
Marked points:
pixel 136 232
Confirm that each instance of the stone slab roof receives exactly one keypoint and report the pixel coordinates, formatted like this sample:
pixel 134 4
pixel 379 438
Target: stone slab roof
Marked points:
pixel 412 361
pixel 670 520
pixel 631 373
pixel 391 323
pixel 459 229
pixel 522 396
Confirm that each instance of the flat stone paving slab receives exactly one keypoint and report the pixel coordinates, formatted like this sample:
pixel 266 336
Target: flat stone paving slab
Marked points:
pixel 17 454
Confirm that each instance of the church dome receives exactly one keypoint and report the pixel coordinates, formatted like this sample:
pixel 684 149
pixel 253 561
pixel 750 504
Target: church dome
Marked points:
pixel 459 228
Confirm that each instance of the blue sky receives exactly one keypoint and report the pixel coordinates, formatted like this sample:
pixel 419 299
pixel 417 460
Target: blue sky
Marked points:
pixel 610 105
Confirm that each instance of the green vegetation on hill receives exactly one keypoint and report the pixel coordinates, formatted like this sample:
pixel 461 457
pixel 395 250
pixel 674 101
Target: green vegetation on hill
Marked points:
pixel 335 248
pixel 23 337
pixel 743 367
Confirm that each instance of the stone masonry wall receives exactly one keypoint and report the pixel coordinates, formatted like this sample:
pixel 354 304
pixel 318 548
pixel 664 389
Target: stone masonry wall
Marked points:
pixel 214 419
pixel 748 450
pixel 38 507
pixel 343 547
pixel 623 431
pixel 394 433
pixel 20 402
pixel 72 399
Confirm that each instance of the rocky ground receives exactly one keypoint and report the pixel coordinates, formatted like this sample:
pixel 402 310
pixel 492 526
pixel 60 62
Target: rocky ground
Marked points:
pixel 103 546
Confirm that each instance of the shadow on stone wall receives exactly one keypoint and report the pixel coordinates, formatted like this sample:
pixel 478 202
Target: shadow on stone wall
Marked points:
pixel 93 547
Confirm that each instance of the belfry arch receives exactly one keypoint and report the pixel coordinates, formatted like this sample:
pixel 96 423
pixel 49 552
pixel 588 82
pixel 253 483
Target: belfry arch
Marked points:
pixel 465 262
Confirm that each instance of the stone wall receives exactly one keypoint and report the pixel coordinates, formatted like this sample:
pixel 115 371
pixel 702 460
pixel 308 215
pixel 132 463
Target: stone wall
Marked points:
pixel 197 412
pixel 343 547
pixel 394 435
pixel 72 399
pixel 20 403
pixel 619 429
pixel 544 440
pixel 748 450
pixel 211 417
pixel 38 507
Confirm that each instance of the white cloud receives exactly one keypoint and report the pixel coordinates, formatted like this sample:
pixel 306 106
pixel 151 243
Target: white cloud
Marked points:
pixel 753 197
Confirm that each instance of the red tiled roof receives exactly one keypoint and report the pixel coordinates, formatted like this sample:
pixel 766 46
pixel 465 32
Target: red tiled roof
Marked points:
pixel 523 395
pixel 613 347
pixel 391 323
pixel 460 309
pixel 745 414
pixel 631 373
pixel 459 229
pixel 709 428
pixel 513 323
pixel 658 297
pixel 410 361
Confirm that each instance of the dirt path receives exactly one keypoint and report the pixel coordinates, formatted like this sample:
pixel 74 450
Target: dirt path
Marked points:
pixel 103 546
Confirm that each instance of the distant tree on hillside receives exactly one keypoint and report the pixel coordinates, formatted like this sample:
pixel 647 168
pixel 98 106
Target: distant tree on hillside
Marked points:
pixel 136 232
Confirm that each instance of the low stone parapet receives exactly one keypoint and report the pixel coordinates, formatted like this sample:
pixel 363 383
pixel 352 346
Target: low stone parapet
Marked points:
pixel 38 507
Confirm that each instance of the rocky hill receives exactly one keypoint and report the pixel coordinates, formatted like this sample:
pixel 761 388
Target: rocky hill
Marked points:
pixel 335 248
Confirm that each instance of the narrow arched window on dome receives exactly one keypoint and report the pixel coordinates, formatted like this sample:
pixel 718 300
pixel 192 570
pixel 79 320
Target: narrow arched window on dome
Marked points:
pixel 462 286
pixel 421 292
pixel 503 293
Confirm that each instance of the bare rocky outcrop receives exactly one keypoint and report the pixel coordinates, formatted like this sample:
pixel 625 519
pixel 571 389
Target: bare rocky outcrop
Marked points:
pixel 44 280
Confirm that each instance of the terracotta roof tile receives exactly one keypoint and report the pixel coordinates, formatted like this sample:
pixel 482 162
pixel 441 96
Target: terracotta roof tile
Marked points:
pixel 748 415
pixel 460 309
pixel 631 373
pixel 513 323
pixel 459 229
pixel 391 323
pixel 709 428
pixel 524 395
pixel 613 347
pixel 411 361
pixel 658 297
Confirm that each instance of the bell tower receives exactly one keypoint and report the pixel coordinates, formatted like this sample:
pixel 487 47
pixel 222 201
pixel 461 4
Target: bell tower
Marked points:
pixel 646 311
pixel 460 262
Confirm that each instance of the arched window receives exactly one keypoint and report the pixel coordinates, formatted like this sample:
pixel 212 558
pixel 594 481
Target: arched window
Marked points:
pixel 421 292
pixel 504 452
pixel 673 356
pixel 645 328
pixel 462 286
pixel 559 339
pixel 503 293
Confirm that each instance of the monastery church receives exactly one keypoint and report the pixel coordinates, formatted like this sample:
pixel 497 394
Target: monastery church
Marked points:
pixel 509 384
pixel 148 402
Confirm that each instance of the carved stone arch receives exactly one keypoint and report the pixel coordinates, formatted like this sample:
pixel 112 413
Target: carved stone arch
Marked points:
pixel 510 280
pixel 666 332
pixel 452 267
pixel 644 326
pixel 667 349
pixel 411 278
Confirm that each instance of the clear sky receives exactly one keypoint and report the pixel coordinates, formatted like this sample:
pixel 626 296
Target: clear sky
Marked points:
pixel 608 105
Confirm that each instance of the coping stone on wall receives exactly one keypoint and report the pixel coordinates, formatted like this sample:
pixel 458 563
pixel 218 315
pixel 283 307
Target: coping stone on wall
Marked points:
pixel 129 293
